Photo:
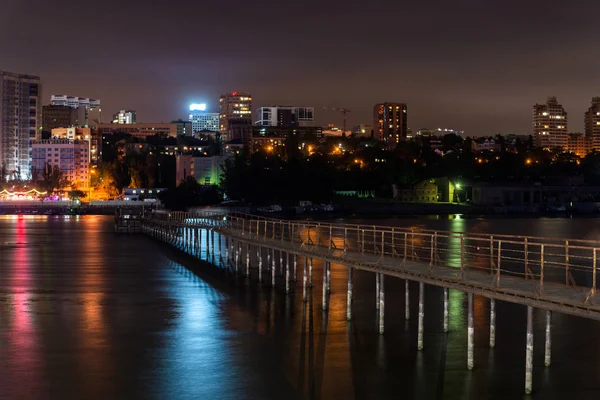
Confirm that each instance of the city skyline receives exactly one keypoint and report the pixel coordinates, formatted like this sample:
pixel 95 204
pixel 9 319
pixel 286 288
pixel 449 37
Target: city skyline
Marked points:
pixel 475 66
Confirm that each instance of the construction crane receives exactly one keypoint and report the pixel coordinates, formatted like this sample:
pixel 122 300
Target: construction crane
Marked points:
pixel 343 111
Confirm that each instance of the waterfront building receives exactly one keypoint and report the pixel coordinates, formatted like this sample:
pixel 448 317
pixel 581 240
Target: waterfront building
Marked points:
pixel 71 157
pixel 390 123
pixel 124 117
pixel 592 124
pixel 285 116
pixel 20 118
pixel 550 124
pixel 235 116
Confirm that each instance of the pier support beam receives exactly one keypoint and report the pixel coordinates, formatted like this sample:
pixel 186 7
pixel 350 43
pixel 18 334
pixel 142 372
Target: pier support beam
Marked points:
pixel 492 323
pixel 212 243
pixel 349 306
pixel 381 303
pixel 421 315
pixel 310 262
pixel 406 301
pixel 328 267
pixel 281 273
pixel 259 256
pixel 445 310
pixel 470 333
pixel 529 352
pixel 548 347
pixel 287 273
pixel 248 260
pixel 295 266
pixel 273 269
pixel 226 252
pixel 325 285
pixel 305 279
pixel 377 291
pixel 237 255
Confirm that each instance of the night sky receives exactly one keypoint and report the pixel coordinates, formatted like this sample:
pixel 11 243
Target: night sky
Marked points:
pixel 474 65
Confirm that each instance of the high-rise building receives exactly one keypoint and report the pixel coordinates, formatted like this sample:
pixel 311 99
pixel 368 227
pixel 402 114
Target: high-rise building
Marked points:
pixel 550 124
pixel 20 118
pixel 592 124
pixel 124 117
pixel 88 105
pixel 203 120
pixel 390 123
pixel 285 116
pixel 71 157
pixel 235 119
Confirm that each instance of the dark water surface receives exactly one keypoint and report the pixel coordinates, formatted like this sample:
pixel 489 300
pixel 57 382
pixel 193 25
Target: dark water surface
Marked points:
pixel 89 314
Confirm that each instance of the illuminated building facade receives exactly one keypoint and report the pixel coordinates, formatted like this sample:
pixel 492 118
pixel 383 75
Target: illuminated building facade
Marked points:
pixel 87 134
pixel 71 157
pixel 202 120
pixel 550 124
pixel 235 116
pixel 20 118
pixel 390 123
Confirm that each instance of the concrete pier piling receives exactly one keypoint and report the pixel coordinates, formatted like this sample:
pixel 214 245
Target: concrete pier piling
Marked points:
pixel 304 279
pixel 247 260
pixel 381 303
pixel 287 274
pixel 376 291
pixel 406 301
pixel 470 333
pixel 273 269
pixel 548 346
pixel 349 300
pixel 295 266
pixel 328 268
pixel 421 315
pixel 325 285
pixel 310 271
pixel 445 324
pixel 492 323
pixel 529 352
pixel 260 261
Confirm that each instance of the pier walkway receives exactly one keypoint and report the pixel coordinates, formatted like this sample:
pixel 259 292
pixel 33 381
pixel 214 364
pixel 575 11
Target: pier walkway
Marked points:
pixel 549 274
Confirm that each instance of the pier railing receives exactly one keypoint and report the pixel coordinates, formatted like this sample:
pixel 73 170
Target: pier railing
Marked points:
pixel 550 263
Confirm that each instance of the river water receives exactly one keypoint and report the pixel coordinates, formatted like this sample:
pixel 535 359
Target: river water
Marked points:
pixel 89 314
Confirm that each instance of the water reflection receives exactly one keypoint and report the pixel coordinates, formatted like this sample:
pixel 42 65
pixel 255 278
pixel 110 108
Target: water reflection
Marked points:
pixel 89 314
